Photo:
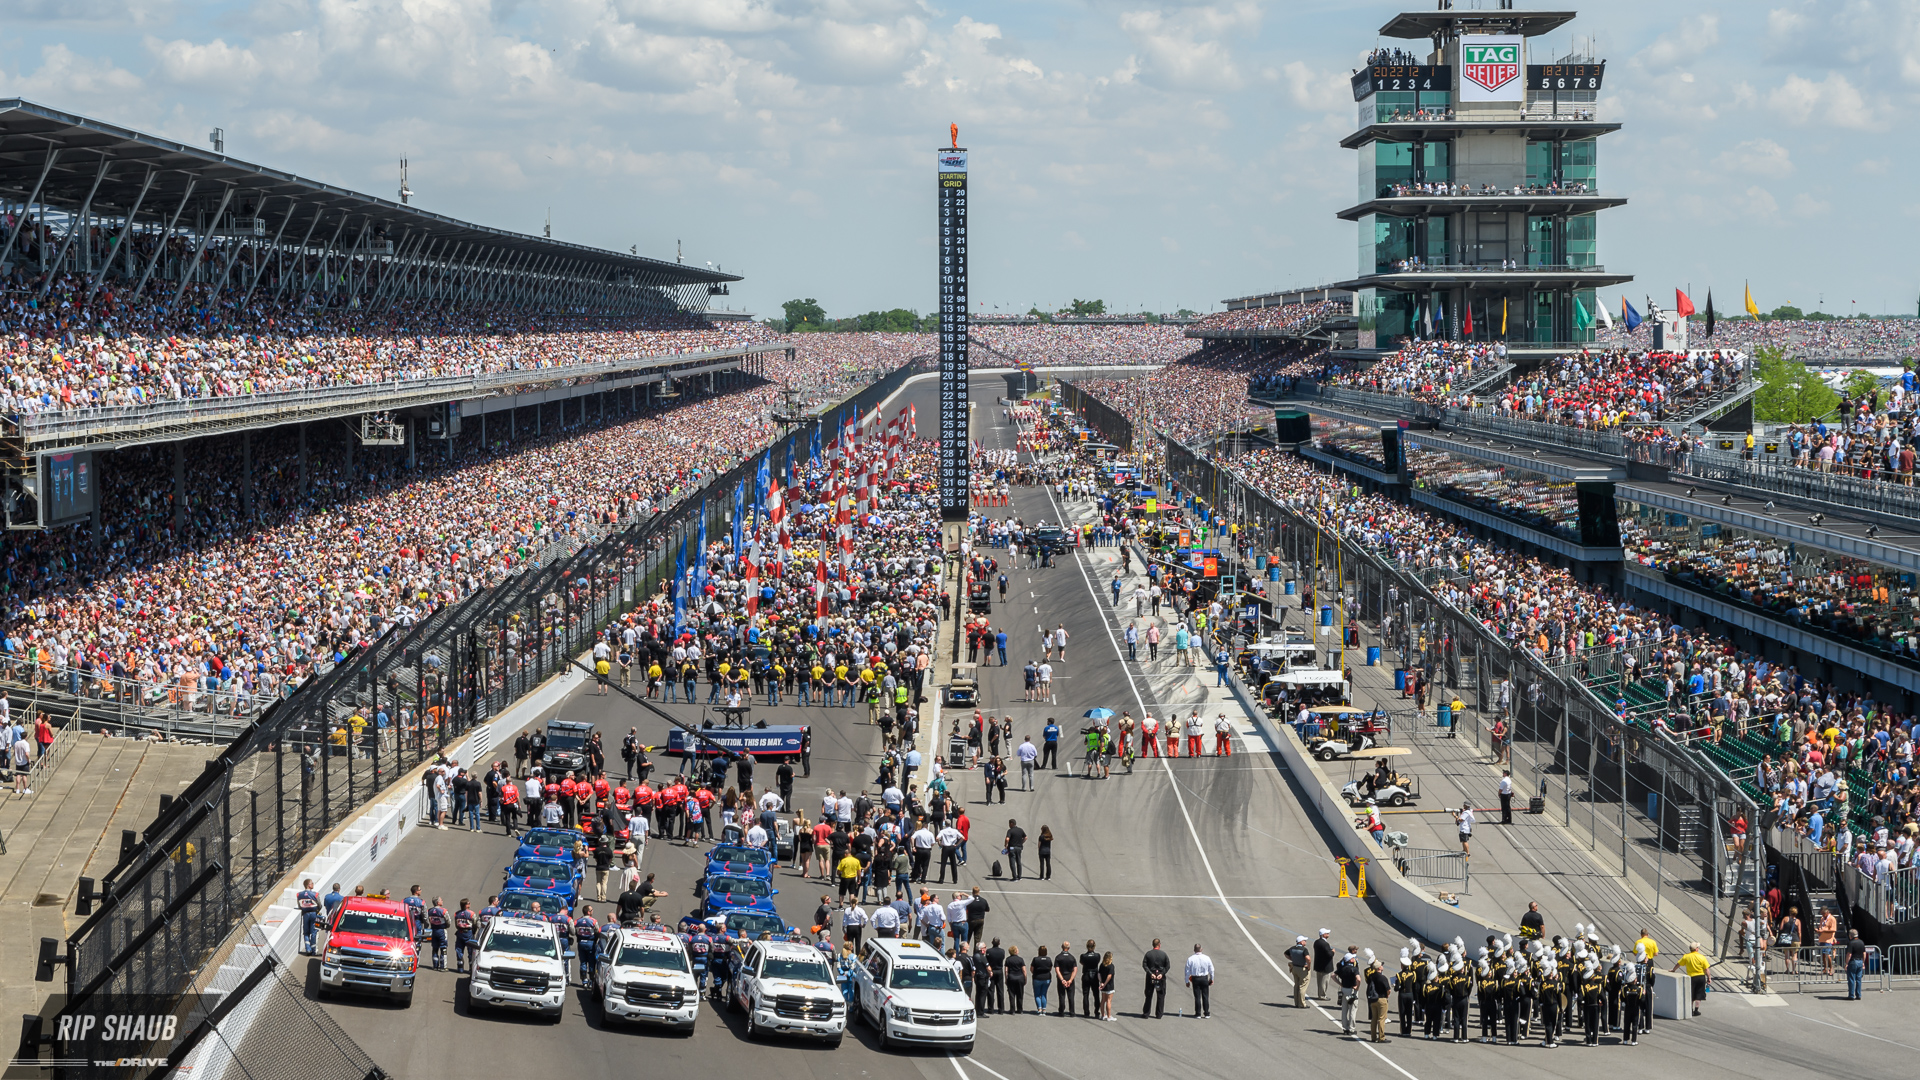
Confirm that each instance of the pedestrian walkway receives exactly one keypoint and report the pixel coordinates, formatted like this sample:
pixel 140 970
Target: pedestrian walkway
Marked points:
pixel 69 828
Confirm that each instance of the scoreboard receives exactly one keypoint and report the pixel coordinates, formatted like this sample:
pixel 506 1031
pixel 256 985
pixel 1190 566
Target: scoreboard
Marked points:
pixel 1386 78
pixel 954 458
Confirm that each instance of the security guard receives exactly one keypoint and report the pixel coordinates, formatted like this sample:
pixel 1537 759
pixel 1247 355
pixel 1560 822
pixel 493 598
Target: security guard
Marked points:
pixel 438 922
pixel 1593 999
pixel 466 935
pixel 1550 994
pixel 308 901
pixel 1406 985
pixel 586 934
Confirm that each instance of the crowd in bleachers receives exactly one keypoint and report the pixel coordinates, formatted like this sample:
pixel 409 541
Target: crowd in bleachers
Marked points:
pixel 1816 736
pixel 235 607
pixel 1205 391
pixel 78 348
pixel 1607 390
pixel 1279 317
pixel 1427 370
pixel 1056 344
pixel 1871 436
pixel 1812 339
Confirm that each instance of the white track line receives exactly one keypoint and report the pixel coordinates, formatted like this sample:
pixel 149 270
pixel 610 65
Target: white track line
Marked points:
pixel 1198 847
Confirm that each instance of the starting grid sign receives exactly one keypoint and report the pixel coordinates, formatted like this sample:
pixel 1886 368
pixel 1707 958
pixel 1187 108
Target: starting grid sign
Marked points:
pixel 954 496
pixel 1490 68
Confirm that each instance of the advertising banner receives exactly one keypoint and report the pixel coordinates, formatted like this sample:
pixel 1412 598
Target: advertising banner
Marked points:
pixel 1490 68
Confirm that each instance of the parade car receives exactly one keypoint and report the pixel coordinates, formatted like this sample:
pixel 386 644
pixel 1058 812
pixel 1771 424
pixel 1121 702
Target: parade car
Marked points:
pixel 547 844
pixel 739 861
pixel 557 878
pixel 910 994
pixel 787 988
pixel 520 966
pixel 733 892
pixel 370 949
pixel 566 746
pixel 644 976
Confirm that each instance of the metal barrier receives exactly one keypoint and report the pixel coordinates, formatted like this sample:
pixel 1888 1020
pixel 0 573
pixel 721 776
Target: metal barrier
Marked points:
pixel 1434 865
pixel 1778 478
pixel 1895 900
pixel 1806 967
pixel 1899 966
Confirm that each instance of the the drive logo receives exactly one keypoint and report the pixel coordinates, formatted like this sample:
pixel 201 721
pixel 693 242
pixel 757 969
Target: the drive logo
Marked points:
pixel 1490 66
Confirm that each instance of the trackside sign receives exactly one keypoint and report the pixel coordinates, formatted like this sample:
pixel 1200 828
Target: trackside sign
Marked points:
pixel 1490 69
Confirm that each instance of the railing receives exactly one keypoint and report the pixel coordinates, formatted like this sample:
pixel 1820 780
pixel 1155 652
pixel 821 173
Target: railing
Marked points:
pixel 71 425
pixel 1445 265
pixel 1433 865
pixel 1717 403
pixel 1895 900
pixel 1771 477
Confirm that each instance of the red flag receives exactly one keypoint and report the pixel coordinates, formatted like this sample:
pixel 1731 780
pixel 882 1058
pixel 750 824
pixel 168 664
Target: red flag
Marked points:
pixel 1469 325
pixel 1682 306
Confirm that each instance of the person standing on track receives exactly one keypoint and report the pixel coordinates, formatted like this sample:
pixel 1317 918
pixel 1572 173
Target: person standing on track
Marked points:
pixel 1064 969
pixel 1156 965
pixel 1200 976
pixel 1299 957
pixel 1090 980
pixel 1150 736
pixel 1196 736
pixel 1323 958
pixel 1173 735
pixel 1222 736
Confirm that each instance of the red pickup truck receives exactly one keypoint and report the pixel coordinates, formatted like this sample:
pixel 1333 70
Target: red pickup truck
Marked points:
pixel 370 949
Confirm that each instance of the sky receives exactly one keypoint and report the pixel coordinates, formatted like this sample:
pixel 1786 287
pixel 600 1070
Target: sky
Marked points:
pixel 1155 156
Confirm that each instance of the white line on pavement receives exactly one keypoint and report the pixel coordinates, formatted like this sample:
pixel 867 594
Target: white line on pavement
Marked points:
pixel 1198 847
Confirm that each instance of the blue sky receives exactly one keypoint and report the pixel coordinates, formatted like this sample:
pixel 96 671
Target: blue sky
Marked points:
pixel 1153 155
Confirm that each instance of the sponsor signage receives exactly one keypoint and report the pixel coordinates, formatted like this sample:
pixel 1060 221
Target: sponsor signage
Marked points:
pixel 1490 68
pixel 954 464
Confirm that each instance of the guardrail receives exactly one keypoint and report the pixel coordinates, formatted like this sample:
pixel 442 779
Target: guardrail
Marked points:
pixel 81 426
pixel 1433 865
pixel 1813 485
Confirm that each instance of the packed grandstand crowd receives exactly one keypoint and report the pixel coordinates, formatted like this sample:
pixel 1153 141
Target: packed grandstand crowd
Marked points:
pixel 1282 317
pixel 1715 691
pixel 1056 344
pixel 254 603
pixel 1207 389
pixel 1812 339
pixel 1872 436
pixel 1607 390
pixel 77 348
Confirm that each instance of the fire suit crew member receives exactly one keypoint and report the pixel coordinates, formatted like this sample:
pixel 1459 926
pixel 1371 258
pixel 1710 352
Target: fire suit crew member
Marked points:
pixel 1195 736
pixel 1173 735
pixel 1156 965
pixel 1222 736
pixel 1150 738
pixel 438 923
pixel 466 935
pixel 308 902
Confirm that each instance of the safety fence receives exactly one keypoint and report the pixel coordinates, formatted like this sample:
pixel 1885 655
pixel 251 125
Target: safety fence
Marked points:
pixel 1434 865
pixel 186 884
pixel 1656 808
pixel 1108 421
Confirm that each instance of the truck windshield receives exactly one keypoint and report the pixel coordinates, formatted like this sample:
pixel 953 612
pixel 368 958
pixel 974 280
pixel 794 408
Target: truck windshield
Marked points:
pixel 566 740
pixel 371 923
pixel 509 940
pixel 798 970
pixel 651 956
pixel 924 978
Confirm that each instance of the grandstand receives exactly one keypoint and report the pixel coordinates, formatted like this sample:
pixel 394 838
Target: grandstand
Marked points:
pixel 251 421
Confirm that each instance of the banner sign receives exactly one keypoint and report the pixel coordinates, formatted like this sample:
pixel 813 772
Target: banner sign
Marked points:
pixel 1490 68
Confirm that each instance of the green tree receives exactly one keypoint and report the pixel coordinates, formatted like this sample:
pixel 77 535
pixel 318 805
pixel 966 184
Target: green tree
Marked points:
pixel 896 321
pixel 804 315
pixel 1860 383
pixel 1084 308
pixel 1041 315
pixel 1785 311
pixel 1184 313
pixel 1790 392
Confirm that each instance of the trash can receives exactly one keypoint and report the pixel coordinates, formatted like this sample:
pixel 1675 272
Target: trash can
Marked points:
pixel 1373 656
pixel 1290 586
pixel 1400 679
pixel 1443 716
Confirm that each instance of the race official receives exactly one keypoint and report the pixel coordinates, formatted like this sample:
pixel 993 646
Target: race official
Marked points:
pixel 1156 965
pixel 1200 977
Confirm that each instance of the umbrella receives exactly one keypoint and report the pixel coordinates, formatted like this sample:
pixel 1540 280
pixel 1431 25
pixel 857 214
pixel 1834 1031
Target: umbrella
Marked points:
pixel 1098 714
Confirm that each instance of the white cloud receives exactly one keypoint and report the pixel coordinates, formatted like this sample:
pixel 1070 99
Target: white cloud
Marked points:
pixel 1755 157
pixel 215 64
pixel 1181 48
pixel 1832 101
pixel 1683 45
pixel 1321 91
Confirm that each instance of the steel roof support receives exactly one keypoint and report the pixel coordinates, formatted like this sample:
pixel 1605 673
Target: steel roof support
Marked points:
pixel 280 285
pixel 233 250
pixel 186 272
pixel 160 249
pixel 398 269
pixel 437 287
pixel 20 222
pixel 274 246
pixel 126 231
pixel 75 222
pixel 311 278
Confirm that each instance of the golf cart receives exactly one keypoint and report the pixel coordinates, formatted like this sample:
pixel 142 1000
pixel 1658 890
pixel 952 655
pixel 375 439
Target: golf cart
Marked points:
pixel 1383 785
pixel 963 689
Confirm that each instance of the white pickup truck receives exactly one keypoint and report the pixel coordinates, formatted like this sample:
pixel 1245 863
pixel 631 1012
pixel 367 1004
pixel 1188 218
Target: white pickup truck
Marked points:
pixel 644 976
pixel 520 967
pixel 910 994
pixel 788 988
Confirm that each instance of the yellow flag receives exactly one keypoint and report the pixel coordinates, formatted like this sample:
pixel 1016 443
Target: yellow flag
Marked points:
pixel 1752 308
pixel 1503 316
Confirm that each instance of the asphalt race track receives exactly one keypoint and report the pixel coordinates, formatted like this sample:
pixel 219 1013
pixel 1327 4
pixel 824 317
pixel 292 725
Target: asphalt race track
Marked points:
pixel 1212 851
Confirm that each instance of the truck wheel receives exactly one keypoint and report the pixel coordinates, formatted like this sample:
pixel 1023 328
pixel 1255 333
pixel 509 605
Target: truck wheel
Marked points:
pixel 405 1000
pixel 753 1030
pixel 965 1050
pixel 835 1044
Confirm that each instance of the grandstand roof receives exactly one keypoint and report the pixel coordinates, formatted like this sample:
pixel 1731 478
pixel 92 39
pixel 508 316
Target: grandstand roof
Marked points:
pixel 79 147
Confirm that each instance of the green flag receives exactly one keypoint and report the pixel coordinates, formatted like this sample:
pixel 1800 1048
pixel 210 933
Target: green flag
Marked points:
pixel 1581 320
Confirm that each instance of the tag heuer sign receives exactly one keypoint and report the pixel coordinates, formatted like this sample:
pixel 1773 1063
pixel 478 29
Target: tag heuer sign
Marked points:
pixel 1490 66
